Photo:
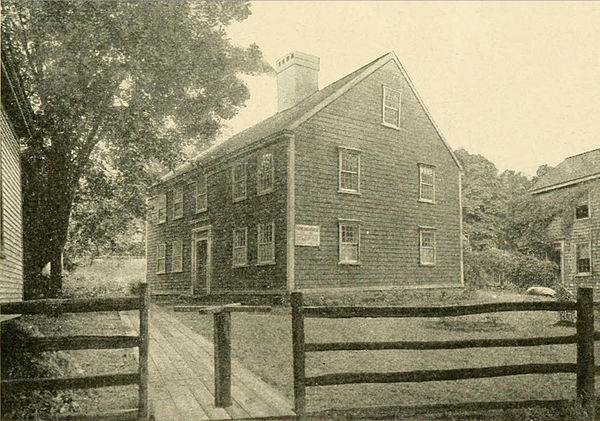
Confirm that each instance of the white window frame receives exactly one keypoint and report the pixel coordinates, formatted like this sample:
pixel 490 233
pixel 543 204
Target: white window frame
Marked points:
pixel 589 246
pixel 237 196
pixel 422 183
pixel 235 263
pixel 161 254
pixel 260 243
pixel 433 247
pixel 201 198
pixel 177 200
pixel 586 201
pixel 161 204
pixel 341 224
pixel 341 151
pixel 177 257
pixel 384 107
pixel 262 175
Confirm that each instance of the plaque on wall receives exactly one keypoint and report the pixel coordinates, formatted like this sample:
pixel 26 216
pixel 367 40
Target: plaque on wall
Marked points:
pixel 308 235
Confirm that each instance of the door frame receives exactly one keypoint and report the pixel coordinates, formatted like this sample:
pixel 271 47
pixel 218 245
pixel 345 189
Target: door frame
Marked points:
pixel 202 234
pixel 560 245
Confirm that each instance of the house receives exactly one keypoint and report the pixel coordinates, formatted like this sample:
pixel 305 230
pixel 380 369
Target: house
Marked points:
pixel 348 187
pixel 577 240
pixel 15 123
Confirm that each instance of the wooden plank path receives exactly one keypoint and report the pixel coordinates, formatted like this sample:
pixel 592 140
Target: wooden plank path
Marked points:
pixel 181 380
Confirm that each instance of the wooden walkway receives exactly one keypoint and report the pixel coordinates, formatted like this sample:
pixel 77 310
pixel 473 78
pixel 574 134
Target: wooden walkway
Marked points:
pixel 181 376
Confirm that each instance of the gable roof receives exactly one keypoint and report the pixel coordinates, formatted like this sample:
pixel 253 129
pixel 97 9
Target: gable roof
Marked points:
pixel 292 117
pixel 574 169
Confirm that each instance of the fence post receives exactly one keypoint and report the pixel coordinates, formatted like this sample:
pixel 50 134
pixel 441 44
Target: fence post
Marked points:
pixel 222 339
pixel 144 412
pixel 298 351
pixel 585 348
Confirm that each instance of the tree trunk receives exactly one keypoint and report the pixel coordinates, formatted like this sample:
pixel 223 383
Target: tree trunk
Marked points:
pixel 56 266
pixel 47 200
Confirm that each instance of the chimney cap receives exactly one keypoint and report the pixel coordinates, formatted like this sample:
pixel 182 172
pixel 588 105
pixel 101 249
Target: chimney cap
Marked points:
pixel 299 58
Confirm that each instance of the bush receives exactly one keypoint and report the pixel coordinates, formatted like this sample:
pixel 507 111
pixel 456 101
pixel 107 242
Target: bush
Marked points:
pixel 494 267
pixel 17 362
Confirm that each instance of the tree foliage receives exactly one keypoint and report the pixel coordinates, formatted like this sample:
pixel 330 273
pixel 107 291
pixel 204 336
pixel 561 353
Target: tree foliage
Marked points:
pixel 500 212
pixel 141 79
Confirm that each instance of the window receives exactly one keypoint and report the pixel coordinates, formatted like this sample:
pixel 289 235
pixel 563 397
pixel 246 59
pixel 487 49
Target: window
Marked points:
pixel 391 107
pixel 161 258
pixel 584 258
pixel 240 247
pixel 161 211
pixel 349 170
pixel 201 194
pixel 178 202
pixel 266 243
pixel 426 183
pixel 238 181
pixel 427 247
pixel 582 209
pixel 264 173
pixel 349 242
pixel 177 255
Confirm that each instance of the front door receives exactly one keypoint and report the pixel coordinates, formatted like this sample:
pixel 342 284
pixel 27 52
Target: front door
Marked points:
pixel 201 282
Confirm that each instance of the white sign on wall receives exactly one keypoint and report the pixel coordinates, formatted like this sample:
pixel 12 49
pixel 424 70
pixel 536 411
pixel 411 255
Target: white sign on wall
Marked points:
pixel 308 235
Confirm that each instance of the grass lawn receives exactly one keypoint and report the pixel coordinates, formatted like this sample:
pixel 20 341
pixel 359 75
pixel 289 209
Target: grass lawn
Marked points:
pixel 105 277
pixel 263 344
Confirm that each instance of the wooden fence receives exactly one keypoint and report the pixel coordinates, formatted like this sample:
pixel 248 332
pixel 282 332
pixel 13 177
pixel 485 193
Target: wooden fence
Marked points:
pixel 584 339
pixel 222 343
pixel 56 343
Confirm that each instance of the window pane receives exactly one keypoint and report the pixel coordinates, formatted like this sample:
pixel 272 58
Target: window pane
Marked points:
pixel 201 185
pixel 427 255
pixel 426 174
pixel 582 211
pixel 391 116
pixel 349 234
pixel 349 181
pixel 426 192
pixel 239 181
pixel 349 253
pixel 583 258
pixel 426 239
pixel 392 98
pixel 265 172
pixel 349 161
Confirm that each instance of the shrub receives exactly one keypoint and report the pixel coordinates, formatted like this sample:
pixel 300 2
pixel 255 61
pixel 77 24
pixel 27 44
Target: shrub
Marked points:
pixel 494 267
pixel 18 362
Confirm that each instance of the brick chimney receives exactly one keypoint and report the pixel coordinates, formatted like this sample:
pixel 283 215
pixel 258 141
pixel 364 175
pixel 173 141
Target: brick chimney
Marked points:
pixel 297 78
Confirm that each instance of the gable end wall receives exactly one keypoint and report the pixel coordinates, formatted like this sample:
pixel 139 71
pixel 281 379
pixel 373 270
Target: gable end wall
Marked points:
pixel 388 206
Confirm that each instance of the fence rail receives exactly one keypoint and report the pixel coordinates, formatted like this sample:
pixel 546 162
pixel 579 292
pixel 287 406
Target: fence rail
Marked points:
pixel 55 343
pixel 584 340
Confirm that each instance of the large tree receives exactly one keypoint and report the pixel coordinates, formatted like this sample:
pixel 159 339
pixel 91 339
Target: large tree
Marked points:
pixel 137 80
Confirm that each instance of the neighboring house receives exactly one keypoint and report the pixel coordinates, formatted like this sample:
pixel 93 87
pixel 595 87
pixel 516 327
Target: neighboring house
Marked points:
pixel 350 186
pixel 15 123
pixel 576 248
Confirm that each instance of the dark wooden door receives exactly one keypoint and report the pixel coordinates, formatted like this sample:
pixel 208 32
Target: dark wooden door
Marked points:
pixel 201 265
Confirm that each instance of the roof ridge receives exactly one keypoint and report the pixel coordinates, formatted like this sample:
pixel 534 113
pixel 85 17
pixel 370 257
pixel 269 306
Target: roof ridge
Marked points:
pixel 581 153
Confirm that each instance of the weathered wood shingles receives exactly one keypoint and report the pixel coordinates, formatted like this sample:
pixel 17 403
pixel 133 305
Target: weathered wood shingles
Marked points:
pixel 182 376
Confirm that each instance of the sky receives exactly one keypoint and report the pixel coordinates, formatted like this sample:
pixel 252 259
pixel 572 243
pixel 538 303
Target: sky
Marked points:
pixel 517 82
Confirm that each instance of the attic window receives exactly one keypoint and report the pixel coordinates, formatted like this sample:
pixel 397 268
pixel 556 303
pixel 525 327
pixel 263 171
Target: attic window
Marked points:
pixel 391 107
